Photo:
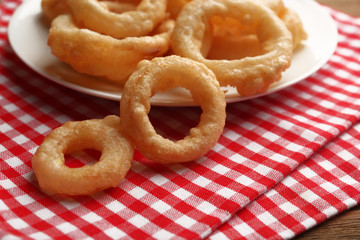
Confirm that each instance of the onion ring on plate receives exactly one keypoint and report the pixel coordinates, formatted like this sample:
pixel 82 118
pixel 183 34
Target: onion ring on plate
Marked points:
pixel 98 55
pixel 92 15
pixel 104 135
pixel 249 75
pixel 161 74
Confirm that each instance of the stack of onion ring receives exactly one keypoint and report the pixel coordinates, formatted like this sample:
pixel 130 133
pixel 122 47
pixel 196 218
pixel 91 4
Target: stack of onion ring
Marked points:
pixel 125 32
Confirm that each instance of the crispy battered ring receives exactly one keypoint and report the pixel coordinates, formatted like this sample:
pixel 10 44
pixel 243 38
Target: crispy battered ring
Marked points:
pixel 161 74
pixel 91 14
pixel 55 177
pixel 249 75
pixel 95 54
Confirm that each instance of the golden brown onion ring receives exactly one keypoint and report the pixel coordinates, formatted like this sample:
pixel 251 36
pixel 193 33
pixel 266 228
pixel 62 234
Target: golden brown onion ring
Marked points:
pixel 249 75
pixel 104 135
pixel 161 74
pixel 99 55
pixel 92 15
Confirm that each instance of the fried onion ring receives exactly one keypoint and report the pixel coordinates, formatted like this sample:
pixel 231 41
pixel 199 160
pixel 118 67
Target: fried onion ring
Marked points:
pixel 92 15
pixel 55 177
pixel 249 75
pixel 98 55
pixel 161 74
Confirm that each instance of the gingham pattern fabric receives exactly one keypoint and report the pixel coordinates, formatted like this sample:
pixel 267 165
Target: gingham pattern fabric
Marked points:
pixel 269 145
pixel 320 188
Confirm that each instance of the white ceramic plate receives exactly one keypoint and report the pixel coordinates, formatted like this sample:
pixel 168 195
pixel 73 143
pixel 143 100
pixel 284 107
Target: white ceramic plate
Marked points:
pixel 28 37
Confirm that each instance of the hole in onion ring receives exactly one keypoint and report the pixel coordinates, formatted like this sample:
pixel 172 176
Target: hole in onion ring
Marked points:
pixel 234 47
pixel 81 158
pixel 174 123
pixel 232 40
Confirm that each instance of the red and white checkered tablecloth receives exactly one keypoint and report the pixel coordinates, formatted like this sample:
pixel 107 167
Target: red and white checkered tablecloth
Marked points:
pixel 324 185
pixel 284 163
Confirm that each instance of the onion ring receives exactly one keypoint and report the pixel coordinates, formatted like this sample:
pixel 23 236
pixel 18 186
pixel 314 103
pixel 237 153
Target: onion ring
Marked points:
pixel 161 74
pixel 55 177
pixel 92 15
pixel 250 75
pixel 97 55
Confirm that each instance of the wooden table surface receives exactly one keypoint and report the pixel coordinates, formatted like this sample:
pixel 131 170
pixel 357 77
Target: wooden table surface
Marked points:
pixel 345 226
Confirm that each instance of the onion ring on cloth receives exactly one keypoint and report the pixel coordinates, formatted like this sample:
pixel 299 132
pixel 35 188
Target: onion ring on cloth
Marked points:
pixel 250 75
pixel 104 135
pixel 98 55
pixel 92 15
pixel 161 74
